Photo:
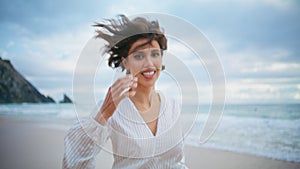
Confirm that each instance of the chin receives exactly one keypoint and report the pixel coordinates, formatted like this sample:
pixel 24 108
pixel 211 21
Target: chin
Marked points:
pixel 147 84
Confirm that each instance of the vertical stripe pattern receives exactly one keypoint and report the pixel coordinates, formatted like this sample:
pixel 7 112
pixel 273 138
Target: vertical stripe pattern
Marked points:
pixel 133 144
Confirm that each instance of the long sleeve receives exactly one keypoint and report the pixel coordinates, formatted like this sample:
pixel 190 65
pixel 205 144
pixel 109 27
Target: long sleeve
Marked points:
pixel 82 144
pixel 133 144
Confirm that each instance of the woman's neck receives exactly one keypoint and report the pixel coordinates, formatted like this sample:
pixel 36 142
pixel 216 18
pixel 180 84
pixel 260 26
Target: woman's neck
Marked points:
pixel 143 97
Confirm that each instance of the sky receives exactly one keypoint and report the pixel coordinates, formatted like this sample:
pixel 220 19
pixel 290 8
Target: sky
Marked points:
pixel 257 42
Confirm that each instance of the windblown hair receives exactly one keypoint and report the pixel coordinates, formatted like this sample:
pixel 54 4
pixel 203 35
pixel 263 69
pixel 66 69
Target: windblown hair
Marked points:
pixel 121 33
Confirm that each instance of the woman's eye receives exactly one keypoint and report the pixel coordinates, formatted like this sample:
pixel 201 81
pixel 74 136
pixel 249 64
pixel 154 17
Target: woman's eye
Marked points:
pixel 155 54
pixel 138 56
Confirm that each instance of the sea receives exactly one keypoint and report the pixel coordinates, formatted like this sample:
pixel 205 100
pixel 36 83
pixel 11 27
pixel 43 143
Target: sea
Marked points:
pixel 266 130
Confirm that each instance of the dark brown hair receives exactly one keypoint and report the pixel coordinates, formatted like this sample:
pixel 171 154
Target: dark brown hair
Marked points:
pixel 121 33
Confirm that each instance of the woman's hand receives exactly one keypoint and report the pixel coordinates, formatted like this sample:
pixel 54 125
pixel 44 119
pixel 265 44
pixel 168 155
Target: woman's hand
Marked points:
pixel 123 87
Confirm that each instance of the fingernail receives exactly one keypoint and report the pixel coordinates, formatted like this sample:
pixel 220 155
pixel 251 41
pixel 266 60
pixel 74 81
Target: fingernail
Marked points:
pixel 134 85
pixel 132 93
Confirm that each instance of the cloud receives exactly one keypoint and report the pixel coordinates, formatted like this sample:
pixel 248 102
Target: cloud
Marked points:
pixel 55 52
pixel 259 62
pixel 3 53
pixel 278 4
pixel 256 40
pixel 131 7
pixel 259 91
pixel 48 61
pixel 297 96
pixel 259 74
pixel 274 68
pixel 10 44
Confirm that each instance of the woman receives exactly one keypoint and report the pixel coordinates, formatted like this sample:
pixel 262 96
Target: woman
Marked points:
pixel 141 122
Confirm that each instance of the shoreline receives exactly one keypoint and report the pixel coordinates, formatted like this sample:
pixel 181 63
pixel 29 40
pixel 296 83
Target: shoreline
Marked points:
pixel 26 144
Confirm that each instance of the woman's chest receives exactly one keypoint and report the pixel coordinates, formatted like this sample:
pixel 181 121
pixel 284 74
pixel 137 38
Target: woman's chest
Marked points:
pixel 135 138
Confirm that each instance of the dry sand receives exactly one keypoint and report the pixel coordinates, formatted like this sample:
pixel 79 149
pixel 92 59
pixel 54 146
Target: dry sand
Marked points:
pixel 28 145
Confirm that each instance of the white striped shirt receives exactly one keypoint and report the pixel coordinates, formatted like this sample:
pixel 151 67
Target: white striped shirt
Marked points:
pixel 133 144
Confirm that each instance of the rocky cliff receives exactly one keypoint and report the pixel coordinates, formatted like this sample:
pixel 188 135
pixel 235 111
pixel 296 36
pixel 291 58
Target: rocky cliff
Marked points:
pixel 14 88
pixel 66 99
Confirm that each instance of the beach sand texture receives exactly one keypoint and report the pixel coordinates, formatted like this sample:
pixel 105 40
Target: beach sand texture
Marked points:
pixel 28 145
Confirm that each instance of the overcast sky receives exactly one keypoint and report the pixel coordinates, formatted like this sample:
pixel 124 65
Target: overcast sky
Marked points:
pixel 258 41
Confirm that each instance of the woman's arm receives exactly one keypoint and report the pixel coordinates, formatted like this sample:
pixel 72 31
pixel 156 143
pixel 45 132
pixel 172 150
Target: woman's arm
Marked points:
pixel 83 142
pixel 123 87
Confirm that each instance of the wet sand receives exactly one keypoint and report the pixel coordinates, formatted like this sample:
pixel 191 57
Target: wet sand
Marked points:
pixel 29 145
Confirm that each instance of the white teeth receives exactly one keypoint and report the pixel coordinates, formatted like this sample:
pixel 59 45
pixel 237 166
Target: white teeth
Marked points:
pixel 148 73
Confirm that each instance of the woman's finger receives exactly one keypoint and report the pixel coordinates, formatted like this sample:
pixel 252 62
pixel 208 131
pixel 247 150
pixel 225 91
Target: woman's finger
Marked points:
pixel 123 80
pixel 129 91
pixel 118 86
pixel 123 85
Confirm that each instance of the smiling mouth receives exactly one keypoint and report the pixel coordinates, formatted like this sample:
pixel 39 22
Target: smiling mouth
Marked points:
pixel 148 74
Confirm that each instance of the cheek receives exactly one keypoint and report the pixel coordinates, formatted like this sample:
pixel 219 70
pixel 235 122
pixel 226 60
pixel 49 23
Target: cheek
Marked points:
pixel 158 63
pixel 135 68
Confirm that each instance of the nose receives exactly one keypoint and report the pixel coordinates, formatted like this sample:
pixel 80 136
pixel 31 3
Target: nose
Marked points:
pixel 148 62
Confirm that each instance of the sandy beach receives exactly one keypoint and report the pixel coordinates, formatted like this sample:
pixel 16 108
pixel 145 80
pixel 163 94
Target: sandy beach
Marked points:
pixel 29 145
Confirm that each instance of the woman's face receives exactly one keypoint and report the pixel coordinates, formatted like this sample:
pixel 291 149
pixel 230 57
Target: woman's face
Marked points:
pixel 144 62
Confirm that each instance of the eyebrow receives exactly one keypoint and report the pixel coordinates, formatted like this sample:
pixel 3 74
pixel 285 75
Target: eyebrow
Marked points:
pixel 143 44
pixel 136 49
pixel 155 50
pixel 142 51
